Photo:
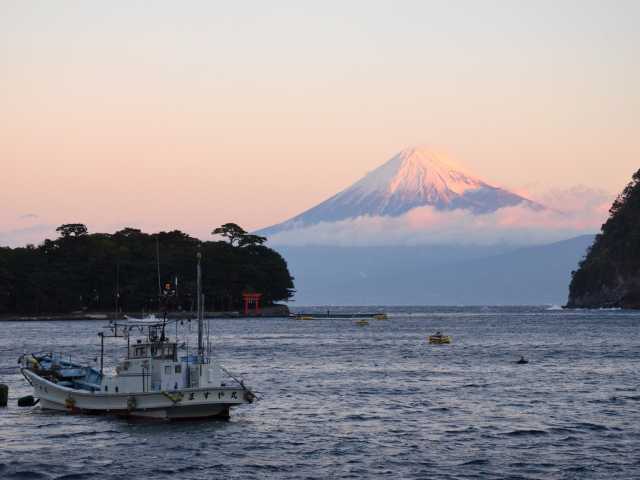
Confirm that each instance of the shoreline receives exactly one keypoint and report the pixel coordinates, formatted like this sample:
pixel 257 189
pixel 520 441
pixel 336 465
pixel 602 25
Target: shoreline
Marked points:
pixel 267 312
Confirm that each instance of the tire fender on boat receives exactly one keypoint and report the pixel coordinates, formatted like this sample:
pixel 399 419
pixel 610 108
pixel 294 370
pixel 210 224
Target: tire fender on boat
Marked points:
pixel 70 403
pixel 131 403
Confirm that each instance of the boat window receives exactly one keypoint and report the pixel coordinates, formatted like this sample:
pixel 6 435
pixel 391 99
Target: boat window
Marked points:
pixel 116 389
pixel 178 368
pixel 106 388
pixel 167 369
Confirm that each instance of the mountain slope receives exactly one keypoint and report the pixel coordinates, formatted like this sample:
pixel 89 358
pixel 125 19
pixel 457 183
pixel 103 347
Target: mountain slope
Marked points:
pixel 413 178
pixel 434 275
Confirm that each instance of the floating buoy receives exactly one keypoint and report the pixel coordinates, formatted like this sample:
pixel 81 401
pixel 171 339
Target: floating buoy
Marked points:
pixel 27 401
pixel 439 339
pixel 4 395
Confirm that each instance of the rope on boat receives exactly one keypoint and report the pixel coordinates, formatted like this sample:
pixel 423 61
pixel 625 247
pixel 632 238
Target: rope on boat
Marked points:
pixel 244 387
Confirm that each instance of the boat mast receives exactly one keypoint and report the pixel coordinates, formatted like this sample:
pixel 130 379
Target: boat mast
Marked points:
pixel 115 317
pixel 158 268
pixel 102 352
pixel 200 313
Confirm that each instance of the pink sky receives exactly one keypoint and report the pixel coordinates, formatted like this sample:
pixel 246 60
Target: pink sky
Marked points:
pixel 121 114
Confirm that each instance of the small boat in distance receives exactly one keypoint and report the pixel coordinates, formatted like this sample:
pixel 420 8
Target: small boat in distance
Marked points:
pixel 152 381
pixel 362 322
pixel 439 339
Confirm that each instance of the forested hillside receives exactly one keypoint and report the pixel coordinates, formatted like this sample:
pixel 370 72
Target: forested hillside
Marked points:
pixel 609 276
pixel 91 272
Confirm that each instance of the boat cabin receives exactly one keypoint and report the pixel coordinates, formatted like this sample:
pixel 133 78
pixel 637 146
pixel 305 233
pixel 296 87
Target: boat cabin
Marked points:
pixel 157 350
pixel 153 363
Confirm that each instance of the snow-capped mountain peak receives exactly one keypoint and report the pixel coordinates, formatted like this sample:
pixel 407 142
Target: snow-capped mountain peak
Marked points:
pixel 419 171
pixel 415 177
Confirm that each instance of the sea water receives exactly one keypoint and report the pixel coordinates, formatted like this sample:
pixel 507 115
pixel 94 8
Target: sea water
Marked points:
pixel 340 400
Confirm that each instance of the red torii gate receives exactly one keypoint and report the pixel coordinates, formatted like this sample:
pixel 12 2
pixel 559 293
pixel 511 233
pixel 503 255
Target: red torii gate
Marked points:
pixel 251 299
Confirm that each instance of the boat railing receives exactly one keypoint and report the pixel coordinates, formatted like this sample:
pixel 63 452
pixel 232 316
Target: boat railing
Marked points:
pixel 194 359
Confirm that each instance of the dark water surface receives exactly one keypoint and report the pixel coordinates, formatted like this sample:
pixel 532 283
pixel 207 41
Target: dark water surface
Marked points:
pixel 342 401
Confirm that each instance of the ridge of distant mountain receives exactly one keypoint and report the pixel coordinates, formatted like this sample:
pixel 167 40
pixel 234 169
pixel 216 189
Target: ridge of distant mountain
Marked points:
pixel 434 275
pixel 415 177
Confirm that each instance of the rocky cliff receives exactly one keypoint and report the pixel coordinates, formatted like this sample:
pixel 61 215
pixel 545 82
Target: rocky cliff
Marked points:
pixel 609 275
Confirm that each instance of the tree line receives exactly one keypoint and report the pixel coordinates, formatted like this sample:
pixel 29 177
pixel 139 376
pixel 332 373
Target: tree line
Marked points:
pixel 82 271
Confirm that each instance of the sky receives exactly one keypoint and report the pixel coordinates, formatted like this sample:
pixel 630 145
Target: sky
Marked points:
pixel 164 114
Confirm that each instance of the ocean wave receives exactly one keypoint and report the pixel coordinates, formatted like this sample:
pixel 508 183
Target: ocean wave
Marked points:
pixel 91 433
pixel 529 432
pixel 590 426
pixel 478 461
pixel 80 476
pixel 25 475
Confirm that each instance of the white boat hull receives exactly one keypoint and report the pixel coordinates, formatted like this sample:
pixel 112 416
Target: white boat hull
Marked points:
pixel 184 404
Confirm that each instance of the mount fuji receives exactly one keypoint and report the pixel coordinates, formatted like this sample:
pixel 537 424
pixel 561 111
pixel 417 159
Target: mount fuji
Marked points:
pixel 415 177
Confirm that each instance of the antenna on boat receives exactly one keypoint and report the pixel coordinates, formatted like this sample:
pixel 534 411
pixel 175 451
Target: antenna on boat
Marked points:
pixel 101 335
pixel 117 289
pixel 200 313
pixel 158 268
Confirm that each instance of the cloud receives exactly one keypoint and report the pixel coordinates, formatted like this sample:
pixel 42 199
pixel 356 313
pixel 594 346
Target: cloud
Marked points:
pixel 572 212
pixel 20 237
pixel 589 202
pixel 24 232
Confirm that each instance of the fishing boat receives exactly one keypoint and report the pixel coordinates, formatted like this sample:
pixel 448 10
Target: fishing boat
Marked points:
pixel 152 381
